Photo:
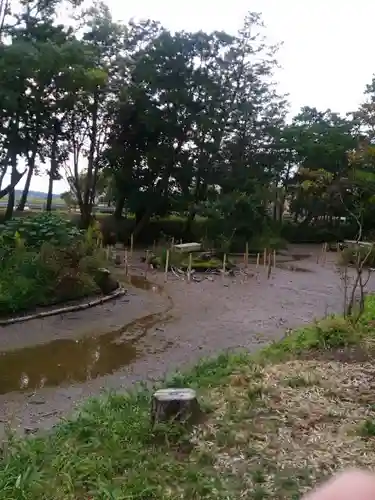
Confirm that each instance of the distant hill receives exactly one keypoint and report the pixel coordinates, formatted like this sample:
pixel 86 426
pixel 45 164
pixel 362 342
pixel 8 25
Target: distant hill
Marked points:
pixel 35 194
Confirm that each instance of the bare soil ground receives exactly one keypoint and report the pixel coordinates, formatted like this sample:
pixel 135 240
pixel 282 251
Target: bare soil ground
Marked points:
pixel 206 317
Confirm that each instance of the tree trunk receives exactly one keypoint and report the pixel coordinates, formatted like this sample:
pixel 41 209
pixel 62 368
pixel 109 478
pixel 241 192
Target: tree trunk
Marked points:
pixel 89 189
pixel 171 406
pixel 120 203
pixel 53 168
pixel 25 192
pixel 13 181
pixel 142 221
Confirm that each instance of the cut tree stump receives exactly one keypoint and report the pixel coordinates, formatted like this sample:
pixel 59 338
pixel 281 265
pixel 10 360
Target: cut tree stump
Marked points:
pixel 179 405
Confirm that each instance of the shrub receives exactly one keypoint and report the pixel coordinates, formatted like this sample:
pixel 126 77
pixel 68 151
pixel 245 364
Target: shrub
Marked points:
pixel 29 278
pixel 35 230
pixel 46 260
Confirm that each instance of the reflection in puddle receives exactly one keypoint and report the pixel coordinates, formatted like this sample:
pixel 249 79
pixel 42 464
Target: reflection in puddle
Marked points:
pixel 76 360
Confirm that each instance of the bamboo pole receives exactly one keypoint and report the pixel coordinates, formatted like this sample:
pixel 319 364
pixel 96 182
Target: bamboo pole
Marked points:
pixel 224 263
pixel 258 259
pixel 274 259
pixel 172 242
pixel 265 257
pixel 166 266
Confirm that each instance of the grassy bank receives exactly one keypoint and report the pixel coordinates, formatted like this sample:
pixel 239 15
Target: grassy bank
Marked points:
pixel 276 423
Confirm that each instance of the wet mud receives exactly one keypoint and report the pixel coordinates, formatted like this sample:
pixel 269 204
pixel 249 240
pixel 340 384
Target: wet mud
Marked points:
pixel 146 338
pixel 72 360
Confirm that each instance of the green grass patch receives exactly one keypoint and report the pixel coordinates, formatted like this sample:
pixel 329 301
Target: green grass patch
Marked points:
pixel 275 423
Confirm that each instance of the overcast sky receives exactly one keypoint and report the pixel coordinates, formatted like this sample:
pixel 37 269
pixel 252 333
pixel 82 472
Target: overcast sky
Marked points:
pixel 327 55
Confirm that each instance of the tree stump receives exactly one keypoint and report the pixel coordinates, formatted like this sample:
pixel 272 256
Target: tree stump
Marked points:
pixel 178 405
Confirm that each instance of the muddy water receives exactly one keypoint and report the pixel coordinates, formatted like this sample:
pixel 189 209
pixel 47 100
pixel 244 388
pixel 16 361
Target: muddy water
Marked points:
pixel 78 360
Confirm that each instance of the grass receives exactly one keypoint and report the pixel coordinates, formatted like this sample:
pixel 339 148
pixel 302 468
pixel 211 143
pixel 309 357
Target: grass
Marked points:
pixel 275 423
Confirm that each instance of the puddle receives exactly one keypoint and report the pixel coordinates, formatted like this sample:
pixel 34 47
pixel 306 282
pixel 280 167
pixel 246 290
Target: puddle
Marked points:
pixel 77 360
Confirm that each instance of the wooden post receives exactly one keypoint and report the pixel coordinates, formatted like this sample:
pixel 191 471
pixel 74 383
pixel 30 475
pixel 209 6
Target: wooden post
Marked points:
pixel 175 405
pixel 247 255
pixel 147 262
pixel 224 263
pixel 325 245
pixel 274 259
pixel 258 259
pixel 131 244
pixel 269 266
pixel 126 263
pixel 166 266
pixel 265 257
pixel 189 267
pixel 172 242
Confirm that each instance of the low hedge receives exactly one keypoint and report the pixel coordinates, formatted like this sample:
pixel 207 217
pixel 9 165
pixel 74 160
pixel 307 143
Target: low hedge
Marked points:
pixel 120 230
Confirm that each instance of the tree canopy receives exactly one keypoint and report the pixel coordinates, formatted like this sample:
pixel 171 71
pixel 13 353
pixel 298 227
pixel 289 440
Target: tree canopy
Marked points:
pixel 153 122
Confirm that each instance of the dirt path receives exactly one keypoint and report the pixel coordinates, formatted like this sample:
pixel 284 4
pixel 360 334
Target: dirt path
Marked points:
pixel 206 317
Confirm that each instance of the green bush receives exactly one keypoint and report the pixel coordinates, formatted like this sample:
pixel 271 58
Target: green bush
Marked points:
pixel 317 233
pixel 45 260
pixel 37 229
pixel 175 227
pixel 31 278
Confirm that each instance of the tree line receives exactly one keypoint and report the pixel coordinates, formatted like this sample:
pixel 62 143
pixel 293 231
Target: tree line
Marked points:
pixel 154 122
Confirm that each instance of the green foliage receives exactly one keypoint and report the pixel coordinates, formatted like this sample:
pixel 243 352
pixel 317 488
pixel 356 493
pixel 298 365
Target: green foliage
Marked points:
pixel 38 229
pixel 44 260
pixel 31 278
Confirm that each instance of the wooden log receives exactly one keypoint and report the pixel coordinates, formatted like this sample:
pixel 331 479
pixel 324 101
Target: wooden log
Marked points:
pixel 175 405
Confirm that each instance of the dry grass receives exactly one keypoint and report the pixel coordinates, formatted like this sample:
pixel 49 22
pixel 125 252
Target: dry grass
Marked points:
pixel 278 432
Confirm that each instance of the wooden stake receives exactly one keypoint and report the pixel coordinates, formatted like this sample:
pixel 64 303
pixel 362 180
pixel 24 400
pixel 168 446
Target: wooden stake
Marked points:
pixel 172 243
pixel 166 266
pixel 274 259
pixel 258 259
pixel 224 263
pixel 189 267
pixel 126 263
pixel 147 262
pixel 269 266
pixel 324 252
pixel 265 257
pixel 131 244
pixel 247 255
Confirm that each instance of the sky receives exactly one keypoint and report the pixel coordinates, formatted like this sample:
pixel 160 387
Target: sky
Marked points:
pixel 326 58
